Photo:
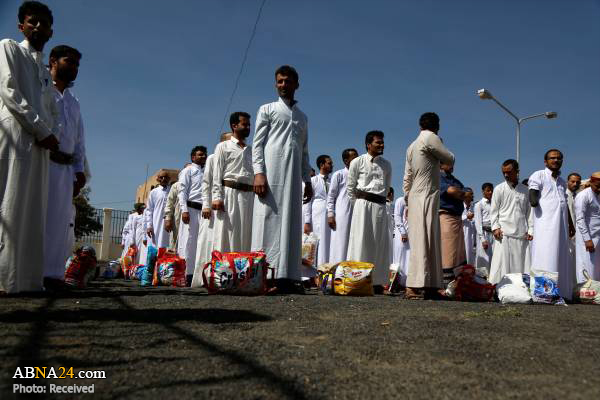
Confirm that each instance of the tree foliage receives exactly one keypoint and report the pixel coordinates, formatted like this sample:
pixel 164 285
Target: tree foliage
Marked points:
pixel 86 221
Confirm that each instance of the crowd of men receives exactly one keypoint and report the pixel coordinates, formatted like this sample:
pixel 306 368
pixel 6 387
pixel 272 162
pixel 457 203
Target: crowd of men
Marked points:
pixel 261 196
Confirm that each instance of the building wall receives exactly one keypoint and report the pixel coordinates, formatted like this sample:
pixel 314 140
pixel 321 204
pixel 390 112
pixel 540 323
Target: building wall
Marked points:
pixel 141 193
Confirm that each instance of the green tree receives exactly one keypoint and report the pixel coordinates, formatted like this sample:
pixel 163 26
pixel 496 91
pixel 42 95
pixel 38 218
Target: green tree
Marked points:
pixel 86 222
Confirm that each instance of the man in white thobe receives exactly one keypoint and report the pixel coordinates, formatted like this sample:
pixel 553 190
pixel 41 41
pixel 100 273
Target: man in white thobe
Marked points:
pixel 28 128
pixel 401 243
pixel 510 216
pixel 469 231
pixel 317 208
pixel 422 195
pixel 369 179
pixel 281 164
pixel 126 234
pixel 190 201
pixel 587 211
pixel 155 212
pixel 339 210
pixel 66 177
pixel 573 187
pixel 552 225
pixel 232 190
pixel 483 225
pixel 173 214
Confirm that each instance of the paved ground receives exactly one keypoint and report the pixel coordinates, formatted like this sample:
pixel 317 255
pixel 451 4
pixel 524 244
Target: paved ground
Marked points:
pixel 181 343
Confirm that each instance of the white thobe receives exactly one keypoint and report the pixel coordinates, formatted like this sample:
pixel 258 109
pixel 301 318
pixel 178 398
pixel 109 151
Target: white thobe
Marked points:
pixel 60 184
pixel 233 226
pixel 318 216
pixel 587 215
pixel 339 207
pixel 191 190
pixel 138 237
pixel 369 232
pixel 483 257
pixel 550 244
pixel 128 234
pixel 27 113
pixel 155 216
pixel 510 211
pixel 401 249
pixel 572 241
pixel 422 191
pixel 470 234
pixel 280 151
pixel 173 213
pixel 204 247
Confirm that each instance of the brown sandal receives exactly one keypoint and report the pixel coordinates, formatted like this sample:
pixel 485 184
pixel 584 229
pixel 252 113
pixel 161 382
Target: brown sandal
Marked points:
pixel 413 294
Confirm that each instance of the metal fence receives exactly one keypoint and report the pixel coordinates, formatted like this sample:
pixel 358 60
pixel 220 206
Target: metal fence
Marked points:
pixel 118 218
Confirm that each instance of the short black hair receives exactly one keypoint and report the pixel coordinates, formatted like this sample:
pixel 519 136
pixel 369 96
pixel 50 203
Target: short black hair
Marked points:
pixel 287 70
pixel 321 160
pixel 573 174
pixel 137 206
pixel 487 185
pixel 512 162
pixel 372 135
pixel 346 153
pixel 391 190
pixel 34 8
pixel 525 182
pixel 234 118
pixel 198 148
pixel 468 190
pixel 429 121
pixel 63 50
pixel 550 151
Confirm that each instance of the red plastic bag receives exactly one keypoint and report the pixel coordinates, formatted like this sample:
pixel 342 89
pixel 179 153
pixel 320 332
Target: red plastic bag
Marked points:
pixel 170 269
pixel 470 287
pixel 237 273
pixel 81 267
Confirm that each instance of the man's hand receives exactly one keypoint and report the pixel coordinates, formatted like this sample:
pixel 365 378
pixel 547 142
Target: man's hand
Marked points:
pixel 185 217
pixel 529 237
pixel 206 213
pixel 404 238
pixel 261 186
pixel 150 233
pixel 485 244
pixel 572 232
pixel 168 225
pixel 79 183
pixel 218 205
pixel 122 246
pixel 589 246
pixel 331 222
pixel 308 192
pixel 49 142
pixel 497 234
pixel 470 215
pixel 145 242
pixel 307 228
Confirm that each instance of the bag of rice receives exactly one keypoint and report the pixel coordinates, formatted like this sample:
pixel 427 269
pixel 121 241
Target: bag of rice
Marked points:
pixel 587 292
pixel 544 287
pixel 353 278
pixel 237 273
pixel 514 289
pixel 310 244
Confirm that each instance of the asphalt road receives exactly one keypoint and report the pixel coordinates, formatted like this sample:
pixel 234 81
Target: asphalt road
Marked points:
pixel 181 343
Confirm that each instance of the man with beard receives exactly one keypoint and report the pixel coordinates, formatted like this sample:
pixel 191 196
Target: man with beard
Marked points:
pixel 339 210
pixel 232 190
pixel 573 185
pixel 422 195
pixel 510 214
pixel 317 208
pixel 66 176
pixel 483 226
pixel 28 128
pixel 155 212
pixel 369 180
pixel 552 224
pixel 587 209
pixel 280 160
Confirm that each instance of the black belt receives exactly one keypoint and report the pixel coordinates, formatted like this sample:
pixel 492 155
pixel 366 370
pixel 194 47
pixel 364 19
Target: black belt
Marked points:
pixel 238 186
pixel 487 228
pixel 195 205
pixel 374 198
pixel 60 157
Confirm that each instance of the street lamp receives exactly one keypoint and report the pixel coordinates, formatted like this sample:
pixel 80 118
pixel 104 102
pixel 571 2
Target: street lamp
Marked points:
pixel 485 94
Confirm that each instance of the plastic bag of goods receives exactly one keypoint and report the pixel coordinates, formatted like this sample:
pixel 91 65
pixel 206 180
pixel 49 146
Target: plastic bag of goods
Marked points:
pixel 587 292
pixel 353 278
pixel 126 264
pixel 544 287
pixel 470 286
pixel 81 267
pixel 325 278
pixel 310 243
pixel 395 281
pixel 147 273
pixel 514 289
pixel 237 273
pixel 111 270
pixel 170 269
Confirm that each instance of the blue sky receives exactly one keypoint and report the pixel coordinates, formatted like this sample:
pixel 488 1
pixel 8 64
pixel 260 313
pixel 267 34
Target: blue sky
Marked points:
pixel 156 77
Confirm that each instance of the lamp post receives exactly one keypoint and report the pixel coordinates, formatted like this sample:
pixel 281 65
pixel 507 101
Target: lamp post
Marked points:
pixel 485 94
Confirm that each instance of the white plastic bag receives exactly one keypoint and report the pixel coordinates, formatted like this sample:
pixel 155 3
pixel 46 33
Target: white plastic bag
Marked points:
pixel 587 292
pixel 514 289
pixel 544 287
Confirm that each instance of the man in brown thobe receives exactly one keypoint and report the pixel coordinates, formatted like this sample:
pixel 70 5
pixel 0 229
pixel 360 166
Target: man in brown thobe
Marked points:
pixel 422 195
